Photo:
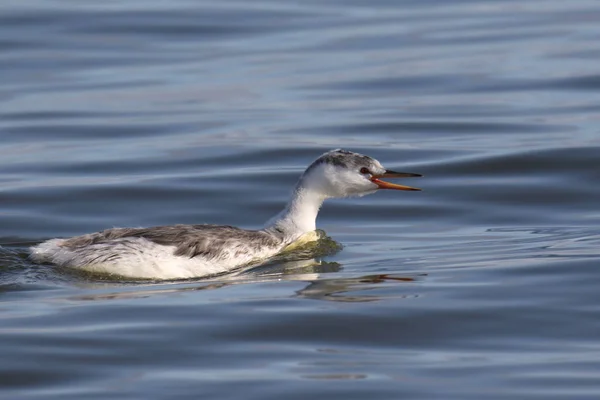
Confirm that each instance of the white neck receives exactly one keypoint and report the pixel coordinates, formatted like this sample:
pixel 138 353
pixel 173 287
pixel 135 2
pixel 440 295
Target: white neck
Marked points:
pixel 299 216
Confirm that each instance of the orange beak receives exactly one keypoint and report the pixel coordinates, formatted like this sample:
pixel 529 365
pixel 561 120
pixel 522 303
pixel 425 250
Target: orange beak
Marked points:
pixel 391 174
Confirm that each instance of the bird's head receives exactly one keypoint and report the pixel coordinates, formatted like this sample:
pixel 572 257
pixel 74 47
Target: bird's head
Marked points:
pixel 341 173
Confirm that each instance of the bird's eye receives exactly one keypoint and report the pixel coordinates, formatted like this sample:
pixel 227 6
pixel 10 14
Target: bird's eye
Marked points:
pixel 365 170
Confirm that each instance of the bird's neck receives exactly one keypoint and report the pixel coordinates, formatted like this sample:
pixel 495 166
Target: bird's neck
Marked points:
pixel 299 216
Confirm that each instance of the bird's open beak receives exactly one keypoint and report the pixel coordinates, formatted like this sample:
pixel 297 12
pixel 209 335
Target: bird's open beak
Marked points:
pixel 391 174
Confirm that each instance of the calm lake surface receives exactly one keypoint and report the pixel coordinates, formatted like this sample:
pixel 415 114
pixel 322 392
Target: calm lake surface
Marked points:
pixel 142 113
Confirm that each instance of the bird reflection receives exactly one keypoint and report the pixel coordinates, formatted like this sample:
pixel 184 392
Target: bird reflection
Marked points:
pixel 295 270
pixel 312 271
pixel 346 289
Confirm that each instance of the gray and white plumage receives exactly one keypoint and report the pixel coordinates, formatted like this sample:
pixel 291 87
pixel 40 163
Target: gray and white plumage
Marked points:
pixel 186 251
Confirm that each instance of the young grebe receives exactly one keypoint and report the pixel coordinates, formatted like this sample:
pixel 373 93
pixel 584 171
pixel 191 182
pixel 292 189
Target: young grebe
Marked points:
pixel 192 251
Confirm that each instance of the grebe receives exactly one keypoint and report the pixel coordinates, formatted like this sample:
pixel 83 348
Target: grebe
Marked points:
pixel 193 251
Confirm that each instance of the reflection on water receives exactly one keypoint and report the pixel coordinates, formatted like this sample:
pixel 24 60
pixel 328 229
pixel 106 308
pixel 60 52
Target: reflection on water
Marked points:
pixel 295 270
pixel 143 292
pixel 341 289
pixel 350 289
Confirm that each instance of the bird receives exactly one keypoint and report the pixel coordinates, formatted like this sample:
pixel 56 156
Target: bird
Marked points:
pixel 197 251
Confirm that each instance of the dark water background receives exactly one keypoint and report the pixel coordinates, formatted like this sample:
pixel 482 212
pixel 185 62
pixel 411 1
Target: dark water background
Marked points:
pixel 140 113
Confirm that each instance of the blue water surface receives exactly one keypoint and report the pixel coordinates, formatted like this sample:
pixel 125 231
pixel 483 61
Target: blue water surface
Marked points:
pixel 142 113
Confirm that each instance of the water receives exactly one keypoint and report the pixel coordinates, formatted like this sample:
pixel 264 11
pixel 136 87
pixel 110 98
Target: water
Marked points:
pixel 142 113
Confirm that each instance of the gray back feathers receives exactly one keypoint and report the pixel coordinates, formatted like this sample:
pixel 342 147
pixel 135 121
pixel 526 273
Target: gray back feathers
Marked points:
pixel 190 241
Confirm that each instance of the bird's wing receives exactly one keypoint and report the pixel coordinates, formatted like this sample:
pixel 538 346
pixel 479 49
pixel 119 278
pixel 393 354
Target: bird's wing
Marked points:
pixel 189 240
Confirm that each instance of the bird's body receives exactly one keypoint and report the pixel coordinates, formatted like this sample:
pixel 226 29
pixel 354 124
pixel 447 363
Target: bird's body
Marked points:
pixel 162 252
pixel 187 251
